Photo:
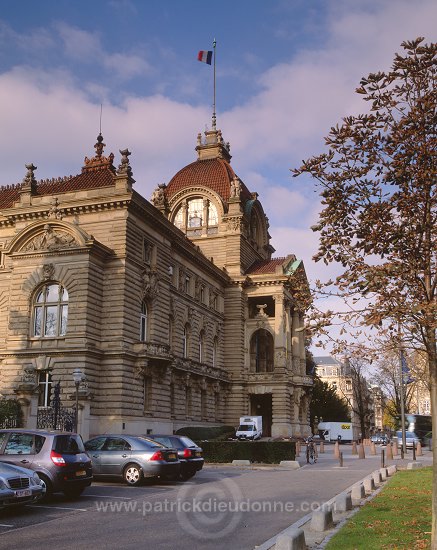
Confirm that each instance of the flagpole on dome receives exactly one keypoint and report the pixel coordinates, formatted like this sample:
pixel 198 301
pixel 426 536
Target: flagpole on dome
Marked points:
pixel 213 108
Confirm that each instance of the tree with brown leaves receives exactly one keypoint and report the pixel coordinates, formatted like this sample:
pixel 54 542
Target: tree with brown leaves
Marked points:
pixel 378 184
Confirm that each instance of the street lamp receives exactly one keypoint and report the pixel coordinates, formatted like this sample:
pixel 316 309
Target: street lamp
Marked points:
pixel 78 376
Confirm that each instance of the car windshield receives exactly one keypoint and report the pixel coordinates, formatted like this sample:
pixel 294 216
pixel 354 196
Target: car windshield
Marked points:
pixel 407 434
pixel 68 444
pixel 246 428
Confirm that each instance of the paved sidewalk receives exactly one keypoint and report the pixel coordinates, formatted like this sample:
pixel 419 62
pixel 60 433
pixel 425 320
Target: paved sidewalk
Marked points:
pixel 352 465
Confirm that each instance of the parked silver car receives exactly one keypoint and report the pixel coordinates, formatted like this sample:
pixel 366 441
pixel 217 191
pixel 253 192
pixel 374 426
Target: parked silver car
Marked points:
pixel 19 486
pixel 59 458
pixel 132 457
pixel 410 439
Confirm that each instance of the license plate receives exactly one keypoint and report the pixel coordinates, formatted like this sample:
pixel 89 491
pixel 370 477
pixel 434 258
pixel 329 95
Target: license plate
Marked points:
pixel 172 456
pixel 81 473
pixel 23 493
pixel 198 454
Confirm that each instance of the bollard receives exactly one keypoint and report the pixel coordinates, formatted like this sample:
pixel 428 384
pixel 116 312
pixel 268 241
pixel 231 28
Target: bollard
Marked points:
pixel 395 448
pixel 377 478
pixel 340 458
pixel 354 448
pixel 321 519
pixel 343 502
pixel 361 453
pixel 369 485
pixel 293 540
pixel 357 493
pixel 336 450
pixel 322 447
pixel 372 449
pixel 414 450
pixel 382 458
pixel 419 449
pixel 389 451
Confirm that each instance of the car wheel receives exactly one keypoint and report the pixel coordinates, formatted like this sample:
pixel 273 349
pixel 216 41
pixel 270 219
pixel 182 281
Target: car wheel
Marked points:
pixel 133 475
pixel 48 486
pixel 73 492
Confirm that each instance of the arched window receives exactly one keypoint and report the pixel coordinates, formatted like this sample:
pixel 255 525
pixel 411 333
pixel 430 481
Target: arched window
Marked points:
pixel 50 311
pixel 261 351
pixel 143 322
pixel 196 213
pixel 186 341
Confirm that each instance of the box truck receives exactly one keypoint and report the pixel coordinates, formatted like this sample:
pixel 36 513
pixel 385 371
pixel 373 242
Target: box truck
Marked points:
pixel 336 431
pixel 251 427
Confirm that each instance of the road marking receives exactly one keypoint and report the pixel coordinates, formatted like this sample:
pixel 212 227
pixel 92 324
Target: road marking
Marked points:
pixel 6 525
pixel 106 496
pixel 58 508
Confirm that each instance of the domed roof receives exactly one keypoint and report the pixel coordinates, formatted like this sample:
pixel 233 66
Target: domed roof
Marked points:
pixel 212 170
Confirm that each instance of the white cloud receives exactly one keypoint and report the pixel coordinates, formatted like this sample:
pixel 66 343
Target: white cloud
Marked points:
pixel 87 47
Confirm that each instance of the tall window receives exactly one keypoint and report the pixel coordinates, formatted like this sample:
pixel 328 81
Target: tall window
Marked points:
pixel 44 388
pixel 201 346
pixel 170 330
pixel 203 404
pixel 214 352
pixel 143 322
pixel 50 311
pixel 261 351
pixel 147 393
pixel 186 341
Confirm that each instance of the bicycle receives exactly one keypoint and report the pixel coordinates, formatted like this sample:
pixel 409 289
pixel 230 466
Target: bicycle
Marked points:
pixel 311 451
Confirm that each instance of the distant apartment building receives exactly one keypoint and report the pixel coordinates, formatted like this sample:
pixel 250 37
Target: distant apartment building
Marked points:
pixel 365 403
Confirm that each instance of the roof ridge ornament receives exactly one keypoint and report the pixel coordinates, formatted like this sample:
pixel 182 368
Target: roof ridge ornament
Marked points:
pixel 99 161
pixel 29 180
pixel 124 168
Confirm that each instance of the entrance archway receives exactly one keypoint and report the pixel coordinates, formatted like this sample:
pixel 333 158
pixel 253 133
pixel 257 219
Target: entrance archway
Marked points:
pixel 261 405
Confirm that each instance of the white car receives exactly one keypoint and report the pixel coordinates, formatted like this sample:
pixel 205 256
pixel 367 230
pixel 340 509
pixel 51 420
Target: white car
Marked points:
pixel 19 486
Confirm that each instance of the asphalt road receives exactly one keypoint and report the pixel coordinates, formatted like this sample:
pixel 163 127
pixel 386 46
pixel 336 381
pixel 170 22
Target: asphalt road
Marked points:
pixel 221 507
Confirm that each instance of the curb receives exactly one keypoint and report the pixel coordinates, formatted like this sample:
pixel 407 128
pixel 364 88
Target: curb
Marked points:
pixel 318 527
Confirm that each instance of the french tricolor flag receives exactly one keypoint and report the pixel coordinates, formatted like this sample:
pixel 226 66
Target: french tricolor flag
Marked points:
pixel 205 56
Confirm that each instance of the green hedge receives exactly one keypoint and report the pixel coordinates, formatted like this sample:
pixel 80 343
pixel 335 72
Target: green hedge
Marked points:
pixel 265 452
pixel 198 433
pixel 11 415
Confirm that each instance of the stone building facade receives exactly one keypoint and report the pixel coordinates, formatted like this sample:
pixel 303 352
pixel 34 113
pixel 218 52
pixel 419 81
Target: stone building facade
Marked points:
pixel 174 309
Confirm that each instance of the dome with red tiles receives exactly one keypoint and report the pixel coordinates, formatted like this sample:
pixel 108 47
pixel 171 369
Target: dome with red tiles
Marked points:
pixel 212 170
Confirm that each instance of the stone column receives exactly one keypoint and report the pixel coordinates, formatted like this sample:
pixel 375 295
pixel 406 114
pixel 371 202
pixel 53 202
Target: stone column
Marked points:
pixel 280 336
pixel 281 413
pixel 205 216
pixel 302 355
pixel 295 342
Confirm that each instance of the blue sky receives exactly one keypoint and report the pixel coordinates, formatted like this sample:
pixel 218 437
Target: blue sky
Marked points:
pixel 286 72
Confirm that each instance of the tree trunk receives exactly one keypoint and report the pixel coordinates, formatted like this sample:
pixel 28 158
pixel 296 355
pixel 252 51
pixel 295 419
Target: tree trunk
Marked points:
pixel 433 383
